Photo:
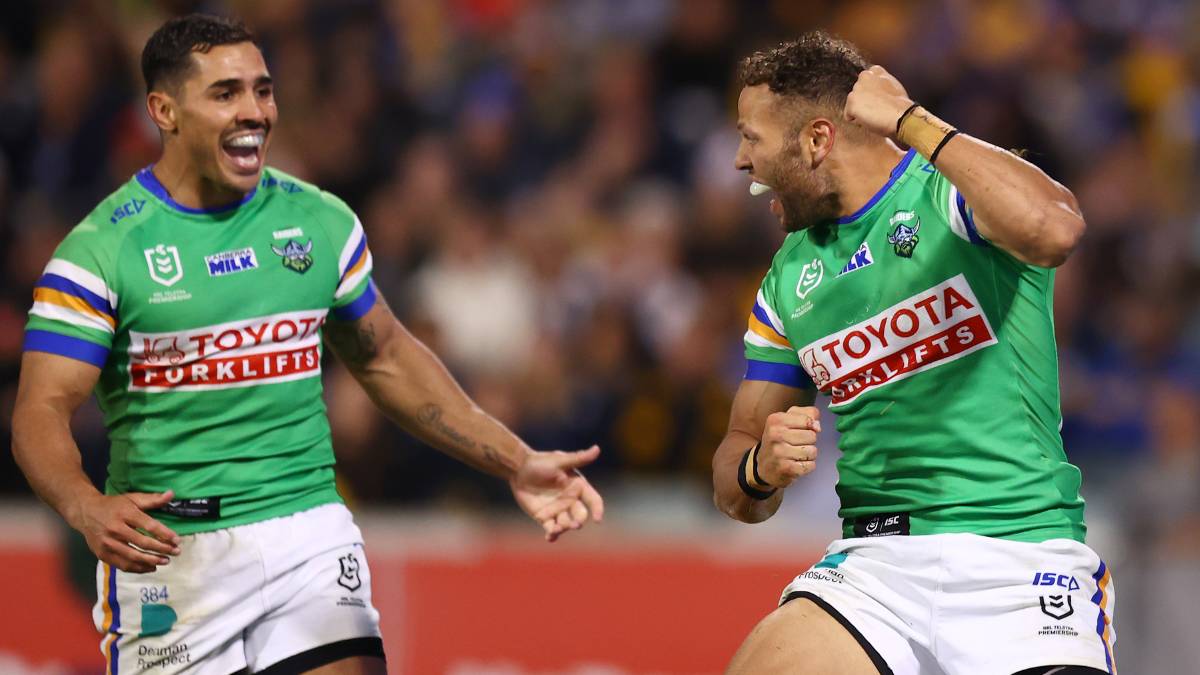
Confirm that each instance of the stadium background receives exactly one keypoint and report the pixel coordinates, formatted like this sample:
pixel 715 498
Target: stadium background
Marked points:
pixel 549 195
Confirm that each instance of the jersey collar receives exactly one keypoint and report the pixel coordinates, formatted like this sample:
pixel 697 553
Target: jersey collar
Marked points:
pixel 148 180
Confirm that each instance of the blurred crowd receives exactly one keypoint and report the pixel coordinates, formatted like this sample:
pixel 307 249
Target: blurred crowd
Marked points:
pixel 549 193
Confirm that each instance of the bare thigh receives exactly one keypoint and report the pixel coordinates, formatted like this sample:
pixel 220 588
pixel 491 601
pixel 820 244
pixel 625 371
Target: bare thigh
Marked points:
pixel 800 638
pixel 354 665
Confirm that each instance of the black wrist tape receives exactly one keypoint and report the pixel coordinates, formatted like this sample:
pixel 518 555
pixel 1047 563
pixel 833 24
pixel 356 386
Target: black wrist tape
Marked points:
pixel 945 139
pixel 751 491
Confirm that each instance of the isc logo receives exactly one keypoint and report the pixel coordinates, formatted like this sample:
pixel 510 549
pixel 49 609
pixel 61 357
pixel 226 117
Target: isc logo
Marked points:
pixel 129 208
pixel 1051 579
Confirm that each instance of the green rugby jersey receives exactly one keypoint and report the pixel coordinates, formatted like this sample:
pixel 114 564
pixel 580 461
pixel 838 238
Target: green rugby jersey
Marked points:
pixel 937 352
pixel 206 325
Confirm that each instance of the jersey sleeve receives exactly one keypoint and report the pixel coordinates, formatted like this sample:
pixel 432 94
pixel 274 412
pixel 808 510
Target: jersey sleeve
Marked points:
pixel 769 355
pixel 74 312
pixel 960 216
pixel 356 292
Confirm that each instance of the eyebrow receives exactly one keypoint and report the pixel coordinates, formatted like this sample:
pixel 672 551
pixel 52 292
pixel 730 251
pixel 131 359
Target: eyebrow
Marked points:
pixel 233 82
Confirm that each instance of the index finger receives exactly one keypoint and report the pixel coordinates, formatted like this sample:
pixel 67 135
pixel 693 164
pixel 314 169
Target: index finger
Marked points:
pixel 159 531
pixel 593 501
pixel 798 417
pixel 812 411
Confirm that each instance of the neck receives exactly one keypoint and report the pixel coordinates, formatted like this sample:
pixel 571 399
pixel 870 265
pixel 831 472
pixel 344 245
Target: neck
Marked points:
pixel 188 187
pixel 861 170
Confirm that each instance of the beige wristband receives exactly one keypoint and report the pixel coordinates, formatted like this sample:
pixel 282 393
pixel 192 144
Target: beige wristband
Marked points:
pixel 923 131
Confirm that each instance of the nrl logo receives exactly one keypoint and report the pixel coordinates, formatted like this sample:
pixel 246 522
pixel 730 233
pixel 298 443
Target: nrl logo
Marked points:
pixel 1055 607
pixel 296 257
pixel 348 577
pixel 164 264
pixel 810 277
pixel 904 238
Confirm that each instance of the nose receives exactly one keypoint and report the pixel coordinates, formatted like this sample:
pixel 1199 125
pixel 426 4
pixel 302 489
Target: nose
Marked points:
pixel 252 110
pixel 741 160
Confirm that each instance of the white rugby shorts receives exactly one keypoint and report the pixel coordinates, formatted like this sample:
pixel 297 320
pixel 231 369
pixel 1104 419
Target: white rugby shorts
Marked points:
pixel 962 604
pixel 280 595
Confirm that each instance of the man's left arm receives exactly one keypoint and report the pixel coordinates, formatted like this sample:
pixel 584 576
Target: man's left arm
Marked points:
pixel 408 382
pixel 1016 206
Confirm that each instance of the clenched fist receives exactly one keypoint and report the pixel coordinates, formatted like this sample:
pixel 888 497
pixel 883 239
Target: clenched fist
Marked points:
pixel 877 101
pixel 789 445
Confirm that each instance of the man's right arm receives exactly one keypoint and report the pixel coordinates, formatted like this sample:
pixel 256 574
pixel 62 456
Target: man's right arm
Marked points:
pixel 51 388
pixel 783 420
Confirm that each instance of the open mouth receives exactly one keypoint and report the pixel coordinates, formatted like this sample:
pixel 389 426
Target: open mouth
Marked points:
pixel 244 150
pixel 757 189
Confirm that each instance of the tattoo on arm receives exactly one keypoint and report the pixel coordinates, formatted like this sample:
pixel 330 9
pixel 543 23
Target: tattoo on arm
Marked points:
pixel 356 343
pixel 367 347
pixel 498 460
pixel 929 118
pixel 431 416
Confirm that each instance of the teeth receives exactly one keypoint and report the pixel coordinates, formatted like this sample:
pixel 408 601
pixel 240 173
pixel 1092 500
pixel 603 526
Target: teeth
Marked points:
pixel 757 188
pixel 247 141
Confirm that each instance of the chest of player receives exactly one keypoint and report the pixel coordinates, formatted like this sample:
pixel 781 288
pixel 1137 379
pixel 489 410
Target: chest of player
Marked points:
pixel 183 278
pixel 871 303
pixel 223 301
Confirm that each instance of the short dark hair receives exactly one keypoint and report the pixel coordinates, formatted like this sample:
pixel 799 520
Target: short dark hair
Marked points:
pixel 818 68
pixel 167 56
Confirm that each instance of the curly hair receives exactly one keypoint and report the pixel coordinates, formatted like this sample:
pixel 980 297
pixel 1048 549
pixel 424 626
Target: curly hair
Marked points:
pixel 167 56
pixel 816 68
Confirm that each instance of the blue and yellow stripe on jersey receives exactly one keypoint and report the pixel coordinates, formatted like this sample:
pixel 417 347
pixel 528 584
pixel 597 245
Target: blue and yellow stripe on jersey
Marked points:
pixel 764 328
pixel 358 260
pixel 85 298
pixel 354 267
pixel 69 294
pixel 775 358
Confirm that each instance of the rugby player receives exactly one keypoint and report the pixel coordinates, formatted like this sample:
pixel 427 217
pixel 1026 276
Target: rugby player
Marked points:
pixel 914 290
pixel 193 301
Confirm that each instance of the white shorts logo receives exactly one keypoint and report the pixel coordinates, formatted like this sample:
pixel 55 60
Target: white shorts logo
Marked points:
pixel 929 329
pixel 164 264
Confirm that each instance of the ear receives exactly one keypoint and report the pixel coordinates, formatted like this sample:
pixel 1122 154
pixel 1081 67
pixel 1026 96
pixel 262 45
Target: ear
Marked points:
pixel 164 110
pixel 821 135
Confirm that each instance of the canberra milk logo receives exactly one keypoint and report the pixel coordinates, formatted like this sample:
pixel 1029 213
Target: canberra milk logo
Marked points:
pixel 164 264
pixel 810 277
pixel 228 262
pixel 860 259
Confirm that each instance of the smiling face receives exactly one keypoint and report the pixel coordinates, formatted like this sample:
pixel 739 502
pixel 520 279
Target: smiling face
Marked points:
pixel 776 149
pixel 220 116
